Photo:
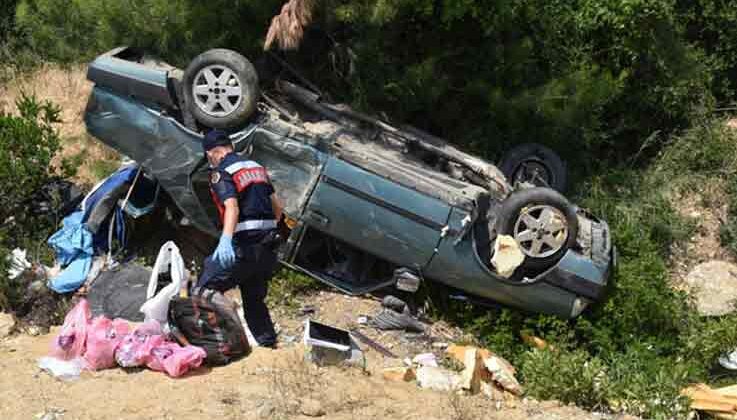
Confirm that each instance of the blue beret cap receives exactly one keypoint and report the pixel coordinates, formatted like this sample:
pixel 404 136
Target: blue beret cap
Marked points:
pixel 215 138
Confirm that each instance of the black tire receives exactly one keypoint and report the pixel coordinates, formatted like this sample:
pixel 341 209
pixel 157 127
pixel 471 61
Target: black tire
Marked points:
pixel 531 198
pixel 520 163
pixel 244 76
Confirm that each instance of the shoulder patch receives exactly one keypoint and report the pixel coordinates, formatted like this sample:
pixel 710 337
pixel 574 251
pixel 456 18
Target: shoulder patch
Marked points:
pixel 214 177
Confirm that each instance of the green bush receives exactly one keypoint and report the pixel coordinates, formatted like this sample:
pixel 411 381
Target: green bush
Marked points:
pixel 28 144
pixel 636 350
pixel 78 30
pixel 586 76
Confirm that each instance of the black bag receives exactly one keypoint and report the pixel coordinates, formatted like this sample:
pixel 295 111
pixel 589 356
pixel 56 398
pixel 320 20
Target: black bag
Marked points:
pixel 209 320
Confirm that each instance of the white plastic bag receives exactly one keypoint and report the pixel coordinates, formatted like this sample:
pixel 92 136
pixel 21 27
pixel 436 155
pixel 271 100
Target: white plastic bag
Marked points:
pixel 66 370
pixel 156 307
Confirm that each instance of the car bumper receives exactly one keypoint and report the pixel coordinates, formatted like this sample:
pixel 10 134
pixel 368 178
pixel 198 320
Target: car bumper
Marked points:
pixel 578 279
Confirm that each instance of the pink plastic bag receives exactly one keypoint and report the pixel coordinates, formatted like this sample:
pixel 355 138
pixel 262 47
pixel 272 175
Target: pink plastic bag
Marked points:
pixel 174 359
pixel 70 343
pixel 135 347
pixel 103 337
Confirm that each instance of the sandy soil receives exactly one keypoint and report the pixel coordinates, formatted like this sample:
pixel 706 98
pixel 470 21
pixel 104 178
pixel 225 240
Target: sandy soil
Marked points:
pixel 267 384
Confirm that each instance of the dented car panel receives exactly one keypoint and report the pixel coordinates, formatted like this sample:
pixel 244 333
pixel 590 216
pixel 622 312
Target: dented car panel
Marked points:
pixel 361 205
pixel 167 150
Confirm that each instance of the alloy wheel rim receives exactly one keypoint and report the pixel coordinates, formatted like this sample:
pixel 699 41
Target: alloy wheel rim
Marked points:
pixel 217 91
pixel 541 231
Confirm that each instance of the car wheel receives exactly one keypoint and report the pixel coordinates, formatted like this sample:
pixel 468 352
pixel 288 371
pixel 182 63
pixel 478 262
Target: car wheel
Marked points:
pixel 542 222
pixel 221 88
pixel 536 164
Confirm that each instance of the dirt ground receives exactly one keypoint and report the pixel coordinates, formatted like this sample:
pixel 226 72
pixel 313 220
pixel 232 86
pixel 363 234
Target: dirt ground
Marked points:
pixel 267 384
pixel 707 209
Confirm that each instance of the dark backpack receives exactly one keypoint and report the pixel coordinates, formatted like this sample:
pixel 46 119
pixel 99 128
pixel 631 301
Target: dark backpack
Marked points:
pixel 209 320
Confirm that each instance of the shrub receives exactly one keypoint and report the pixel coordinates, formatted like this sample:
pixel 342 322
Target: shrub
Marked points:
pixel 645 342
pixel 28 144
pixel 584 77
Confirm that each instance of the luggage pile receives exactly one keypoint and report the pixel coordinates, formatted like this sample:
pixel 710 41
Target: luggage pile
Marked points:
pixel 181 331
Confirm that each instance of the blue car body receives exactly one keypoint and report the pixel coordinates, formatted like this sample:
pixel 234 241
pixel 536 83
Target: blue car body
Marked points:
pixel 342 193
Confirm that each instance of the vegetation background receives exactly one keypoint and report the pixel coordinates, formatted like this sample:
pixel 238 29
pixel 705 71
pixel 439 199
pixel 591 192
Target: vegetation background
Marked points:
pixel 632 93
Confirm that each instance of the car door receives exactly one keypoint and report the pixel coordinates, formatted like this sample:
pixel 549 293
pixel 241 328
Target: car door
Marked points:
pixel 376 215
pixel 293 166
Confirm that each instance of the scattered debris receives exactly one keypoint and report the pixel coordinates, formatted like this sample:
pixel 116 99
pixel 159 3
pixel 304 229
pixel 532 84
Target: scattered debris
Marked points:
pixel 396 316
pixel 331 346
pixel 425 359
pixel 7 325
pixel 406 280
pixel 728 361
pixel 399 374
pixel 389 319
pixel 306 310
pixel 473 372
pixel 373 344
pixel 66 370
pixel 507 255
pixel 51 414
pixel 394 303
pixel 502 372
pixel 535 341
pixel 714 287
pixel 721 403
pixel 437 378
pixel 459 352
pixel 18 263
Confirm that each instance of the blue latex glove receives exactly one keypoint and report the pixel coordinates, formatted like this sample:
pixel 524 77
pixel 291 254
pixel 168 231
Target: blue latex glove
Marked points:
pixel 224 253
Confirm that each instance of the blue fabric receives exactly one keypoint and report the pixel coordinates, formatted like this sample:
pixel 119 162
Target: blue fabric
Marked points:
pixel 73 277
pixel 121 176
pixel 73 247
pixel 224 253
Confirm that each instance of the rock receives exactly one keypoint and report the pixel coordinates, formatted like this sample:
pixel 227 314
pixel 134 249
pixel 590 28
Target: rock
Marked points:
pixel 507 255
pixel 437 379
pixel 713 285
pixel 502 372
pixel 7 324
pixel 311 408
pixel 425 359
pixel 398 374
pixel 491 391
pixel 459 352
pixel 474 371
pixel 266 410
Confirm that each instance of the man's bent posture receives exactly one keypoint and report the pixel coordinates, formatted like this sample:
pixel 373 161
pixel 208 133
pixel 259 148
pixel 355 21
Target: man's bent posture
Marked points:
pixel 249 211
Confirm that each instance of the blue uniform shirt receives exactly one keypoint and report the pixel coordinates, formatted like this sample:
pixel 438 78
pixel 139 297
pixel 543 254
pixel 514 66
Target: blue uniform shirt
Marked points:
pixel 248 182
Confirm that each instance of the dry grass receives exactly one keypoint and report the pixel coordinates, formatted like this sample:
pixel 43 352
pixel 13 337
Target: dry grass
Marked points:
pixel 287 28
pixel 292 380
pixel 68 88
pixel 459 408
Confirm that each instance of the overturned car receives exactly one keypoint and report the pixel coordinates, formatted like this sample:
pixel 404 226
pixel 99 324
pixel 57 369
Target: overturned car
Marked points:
pixel 368 204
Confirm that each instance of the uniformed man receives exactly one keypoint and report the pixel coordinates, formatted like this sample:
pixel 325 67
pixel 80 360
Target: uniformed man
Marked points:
pixel 245 255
